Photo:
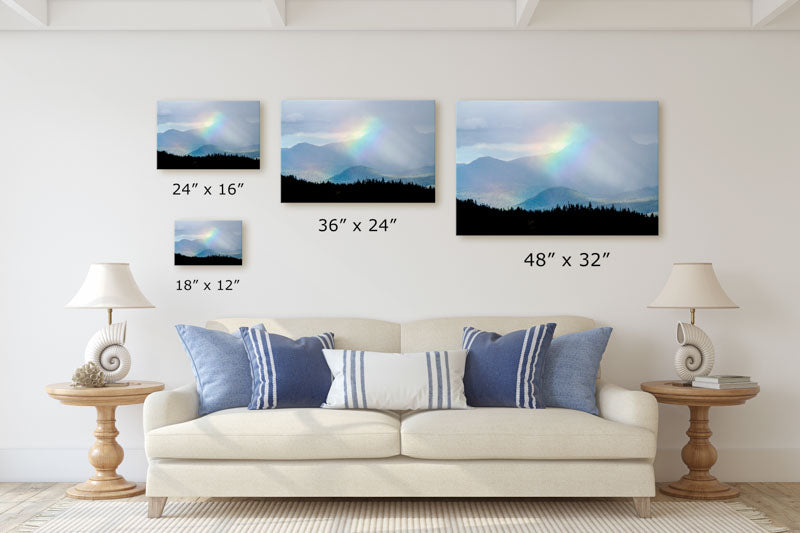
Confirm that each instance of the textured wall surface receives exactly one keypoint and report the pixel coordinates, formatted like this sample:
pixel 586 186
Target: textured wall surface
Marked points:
pixel 77 159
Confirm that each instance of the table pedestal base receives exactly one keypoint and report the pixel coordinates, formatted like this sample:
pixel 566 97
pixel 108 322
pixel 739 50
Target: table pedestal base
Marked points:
pixel 699 455
pixel 105 456
pixel 709 489
pixel 106 490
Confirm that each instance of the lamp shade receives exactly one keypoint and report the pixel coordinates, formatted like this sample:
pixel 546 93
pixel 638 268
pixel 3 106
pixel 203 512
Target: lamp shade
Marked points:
pixel 109 286
pixel 693 286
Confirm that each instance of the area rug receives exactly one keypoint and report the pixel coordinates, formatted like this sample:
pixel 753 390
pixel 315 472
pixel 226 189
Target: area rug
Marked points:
pixel 565 516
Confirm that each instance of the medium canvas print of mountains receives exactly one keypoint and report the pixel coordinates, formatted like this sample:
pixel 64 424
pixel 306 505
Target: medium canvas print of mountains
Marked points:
pixel 557 168
pixel 358 151
pixel 208 242
pixel 209 135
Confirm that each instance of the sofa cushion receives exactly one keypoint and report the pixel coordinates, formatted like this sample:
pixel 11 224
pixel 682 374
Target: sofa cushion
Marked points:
pixel 220 365
pixel 398 381
pixel 571 368
pixel 286 372
pixel 506 370
pixel 280 434
pixel 509 433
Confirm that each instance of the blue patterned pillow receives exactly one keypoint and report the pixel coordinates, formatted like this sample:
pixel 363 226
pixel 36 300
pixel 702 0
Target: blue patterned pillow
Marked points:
pixel 506 371
pixel 286 372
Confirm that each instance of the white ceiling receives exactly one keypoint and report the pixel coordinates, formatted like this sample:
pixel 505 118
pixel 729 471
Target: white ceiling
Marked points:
pixel 399 14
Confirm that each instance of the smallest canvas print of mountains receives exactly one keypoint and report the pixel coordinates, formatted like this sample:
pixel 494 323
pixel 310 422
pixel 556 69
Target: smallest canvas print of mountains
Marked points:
pixel 358 151
pixel 209 135
pixel 208 242
pixel 557 168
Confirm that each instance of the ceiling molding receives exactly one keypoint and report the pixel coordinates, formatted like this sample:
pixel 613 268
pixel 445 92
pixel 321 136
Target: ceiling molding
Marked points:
pixel 525 9
pixel 277 11
pixel 34 11
pixel 284 15
pixel 765 11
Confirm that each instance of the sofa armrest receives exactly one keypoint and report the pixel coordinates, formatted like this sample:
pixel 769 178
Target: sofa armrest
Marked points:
pixel 169 407
pixel 632 407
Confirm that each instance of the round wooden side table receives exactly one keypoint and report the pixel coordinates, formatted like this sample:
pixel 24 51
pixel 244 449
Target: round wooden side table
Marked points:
pixel 698 454
pixel 106 454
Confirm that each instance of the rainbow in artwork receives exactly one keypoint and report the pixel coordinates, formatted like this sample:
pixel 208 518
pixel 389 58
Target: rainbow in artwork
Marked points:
pixel 358 151
pixel 208 242
pixel 563 167
pixel 203 134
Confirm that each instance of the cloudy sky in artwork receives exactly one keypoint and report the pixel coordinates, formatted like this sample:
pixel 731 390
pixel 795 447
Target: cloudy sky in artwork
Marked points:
pixel 321 122
pixel 512 129
pixel 218 235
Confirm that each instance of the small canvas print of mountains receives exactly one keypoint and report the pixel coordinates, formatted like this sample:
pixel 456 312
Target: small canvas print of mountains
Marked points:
pixel 209 135
pixel 358 151
pixel 557 168
pixel 208 242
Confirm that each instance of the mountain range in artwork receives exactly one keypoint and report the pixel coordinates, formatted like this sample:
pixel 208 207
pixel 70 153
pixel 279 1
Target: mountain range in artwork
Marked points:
pixel 557 168
pixel 208 242
pixel 209 135
pixel 358 151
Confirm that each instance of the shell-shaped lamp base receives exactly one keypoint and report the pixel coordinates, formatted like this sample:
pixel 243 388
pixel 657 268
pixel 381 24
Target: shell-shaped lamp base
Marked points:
pixel 106 349
pixel 695 357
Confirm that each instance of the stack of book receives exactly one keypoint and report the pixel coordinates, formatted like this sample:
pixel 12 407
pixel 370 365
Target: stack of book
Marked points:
pixel 723 382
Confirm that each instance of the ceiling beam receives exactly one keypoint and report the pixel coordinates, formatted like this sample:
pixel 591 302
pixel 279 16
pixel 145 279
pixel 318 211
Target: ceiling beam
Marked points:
pixel 525 9
pixel 277 10
pixel 765 11
pixel 34 11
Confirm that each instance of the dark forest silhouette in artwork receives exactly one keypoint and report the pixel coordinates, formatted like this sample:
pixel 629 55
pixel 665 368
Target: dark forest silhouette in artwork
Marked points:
pixel 296 190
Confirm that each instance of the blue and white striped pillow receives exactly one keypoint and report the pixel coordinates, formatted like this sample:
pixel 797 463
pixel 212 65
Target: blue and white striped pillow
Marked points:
pixel 506 371
pixel 286 372
pixel 396 381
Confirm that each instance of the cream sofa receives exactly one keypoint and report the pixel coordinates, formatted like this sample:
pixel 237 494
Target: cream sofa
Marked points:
pixel 480 452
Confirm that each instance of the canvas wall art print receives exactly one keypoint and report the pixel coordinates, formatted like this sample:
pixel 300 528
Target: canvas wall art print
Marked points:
pixel 557 168
pixel 358 151
pixel 208 242
pixel 199 134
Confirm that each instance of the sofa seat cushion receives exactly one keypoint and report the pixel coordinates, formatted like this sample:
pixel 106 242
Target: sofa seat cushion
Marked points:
pixel 281 434
pixel 509 433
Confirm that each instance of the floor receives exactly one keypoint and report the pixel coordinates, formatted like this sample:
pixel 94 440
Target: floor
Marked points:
pixel 21 501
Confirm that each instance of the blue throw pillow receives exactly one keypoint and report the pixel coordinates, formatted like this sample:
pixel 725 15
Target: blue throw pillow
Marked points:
pixel 570 369
pixel 220 365
pixel 286 372
pixel 506 371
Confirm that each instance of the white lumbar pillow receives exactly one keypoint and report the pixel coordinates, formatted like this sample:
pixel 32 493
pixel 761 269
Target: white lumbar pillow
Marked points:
pixel 396 381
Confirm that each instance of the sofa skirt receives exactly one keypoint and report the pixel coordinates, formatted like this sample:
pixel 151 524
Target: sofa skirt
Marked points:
pixel 400 477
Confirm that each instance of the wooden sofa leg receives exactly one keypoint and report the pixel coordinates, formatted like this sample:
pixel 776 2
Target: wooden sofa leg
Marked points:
pixel 642 506
pixel 155 506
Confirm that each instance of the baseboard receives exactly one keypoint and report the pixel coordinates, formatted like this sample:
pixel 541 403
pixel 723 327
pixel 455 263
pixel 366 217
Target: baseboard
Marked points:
pixel 52 464
pixel 737 464
pixel 69 464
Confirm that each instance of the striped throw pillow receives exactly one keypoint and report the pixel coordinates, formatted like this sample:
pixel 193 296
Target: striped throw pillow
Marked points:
pixel 396 381
pixel 286 372
pixel 506 370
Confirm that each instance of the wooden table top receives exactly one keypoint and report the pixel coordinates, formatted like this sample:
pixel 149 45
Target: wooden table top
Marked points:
pixel 132 393
pixel 674 392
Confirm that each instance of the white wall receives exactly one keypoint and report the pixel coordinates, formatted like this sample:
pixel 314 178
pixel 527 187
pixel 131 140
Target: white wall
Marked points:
pixel 77 159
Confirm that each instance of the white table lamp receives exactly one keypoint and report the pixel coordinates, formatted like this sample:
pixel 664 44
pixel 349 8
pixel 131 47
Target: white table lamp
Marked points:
pixel 693 286
pixel 109 286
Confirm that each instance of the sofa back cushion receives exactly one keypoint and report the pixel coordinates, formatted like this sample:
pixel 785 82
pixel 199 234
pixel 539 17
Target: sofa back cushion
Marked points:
pixel 447 333
pixel 417 336
pixel 351 333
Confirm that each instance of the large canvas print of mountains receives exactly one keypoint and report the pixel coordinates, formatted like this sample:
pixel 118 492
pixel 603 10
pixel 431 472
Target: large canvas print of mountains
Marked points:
pixel 215 242
pixel 557 168
pixel 358 151
pixel 209 135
